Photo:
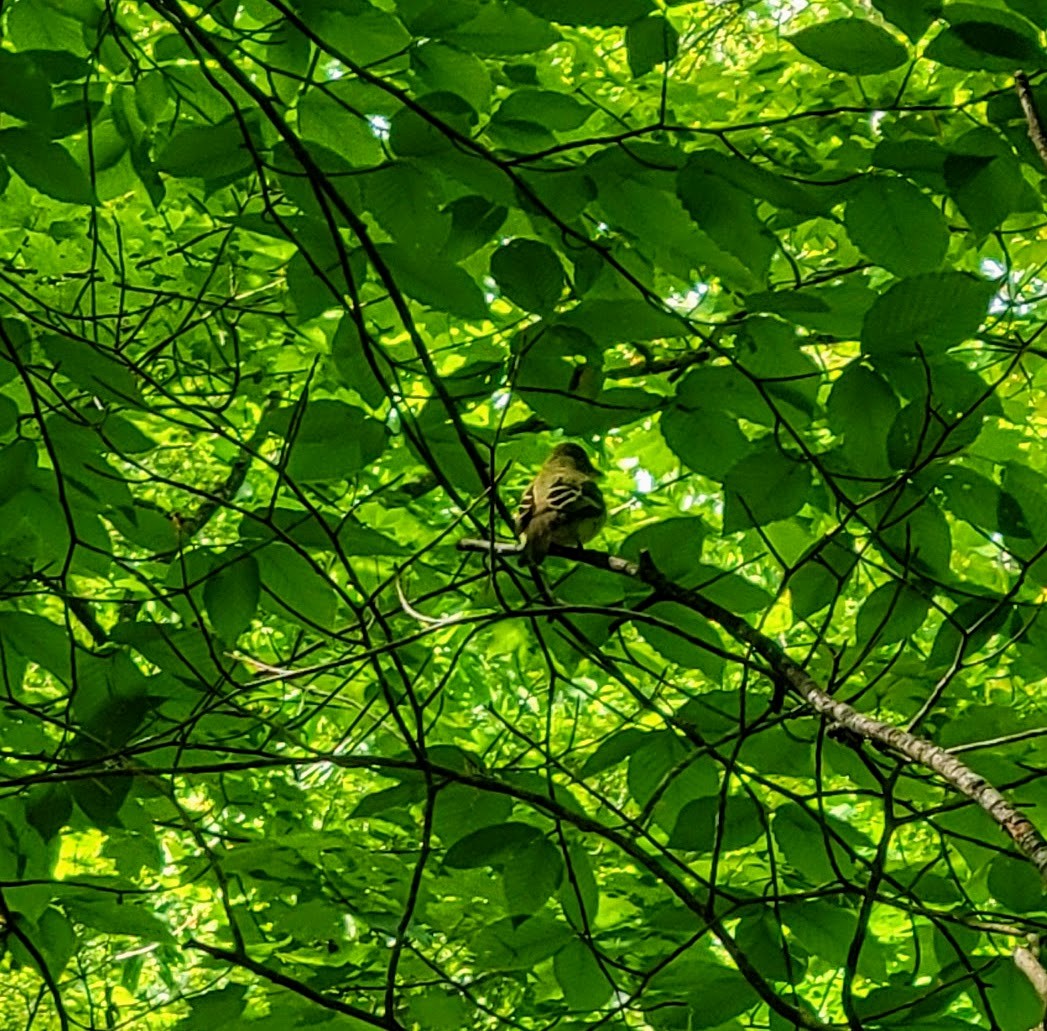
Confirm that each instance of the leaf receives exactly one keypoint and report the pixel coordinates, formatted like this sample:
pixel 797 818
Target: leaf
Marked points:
pixel 437 284
pixel 613 750
pixel 560 112
pixel 231 593
pixel 590 12
pixel 861 409
pixel 728 215
pixel 617 321
pixel 334 441
pixel 24 89
pixel 820 575
pixel 45 166
pixel 650 42
pixel 529 273
pixel 983 39
pixel 441 67
pixel 892 613
pixel 294 585
pixel 531 876
pixel 913 17
pixel 490 845
pixel 764 487
pixel 896 225
pixel 500 29
pixel 350 359
pixel 117 918
pixel 92 368
pixel 208 152
pixel 929 313
pixel 583 982
pixel 851 45
pixel 987 188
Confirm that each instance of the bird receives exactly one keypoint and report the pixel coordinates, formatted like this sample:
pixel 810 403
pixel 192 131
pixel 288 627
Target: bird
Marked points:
pixel 563 505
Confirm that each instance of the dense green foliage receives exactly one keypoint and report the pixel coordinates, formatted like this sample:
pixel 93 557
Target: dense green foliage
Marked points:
pixel 296 294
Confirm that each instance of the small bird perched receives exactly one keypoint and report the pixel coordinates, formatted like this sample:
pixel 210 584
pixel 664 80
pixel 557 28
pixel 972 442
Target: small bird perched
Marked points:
pixel 562 506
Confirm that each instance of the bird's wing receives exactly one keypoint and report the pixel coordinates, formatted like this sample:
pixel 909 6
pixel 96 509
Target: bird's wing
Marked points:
pixel 525 513
pixel 574 498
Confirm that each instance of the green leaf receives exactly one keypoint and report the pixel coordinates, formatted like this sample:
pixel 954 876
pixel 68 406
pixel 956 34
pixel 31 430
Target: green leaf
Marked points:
pixel 764 487
pixel 474 221
pixel 529 273
pixel 913 17
pixel 1016 884
pixel 981 38
pixel 649 43
pixel 215 1008
pixel 618 321
pixel 441 67
pixel 728 215
pixel 24 89
pixel 92 368
pixel 292 584
pixel 208 152
pixel 124 918
pixel 590 12
pixel 350 359
pixel 987 188
pixel 560 112
pixel 929 313
pixel 231 593
pixel 1015 1004
pixel 979 501
pixel 45 166
pixel 583 982
pixel 334 441
pixel 850 45
pixel 491 845
pixel 531 875
pixel 503 29
pixel 896 225
pixel 861 409
pixel 820 575
pixel 434 282
pixel 674 545
pixel 892 613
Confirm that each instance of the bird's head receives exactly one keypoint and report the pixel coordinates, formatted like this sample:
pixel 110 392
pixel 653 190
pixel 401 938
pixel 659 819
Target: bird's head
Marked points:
pixel 573 456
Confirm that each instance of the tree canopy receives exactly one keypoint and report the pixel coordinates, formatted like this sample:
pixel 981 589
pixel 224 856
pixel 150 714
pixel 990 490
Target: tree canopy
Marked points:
pixel 296 296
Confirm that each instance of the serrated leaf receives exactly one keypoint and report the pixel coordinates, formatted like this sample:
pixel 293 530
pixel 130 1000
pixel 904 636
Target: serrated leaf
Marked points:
pixel 728 215
pixel 929 313
pixel 896 225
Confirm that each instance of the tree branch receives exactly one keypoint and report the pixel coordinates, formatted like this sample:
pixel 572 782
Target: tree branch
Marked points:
pixel 958 775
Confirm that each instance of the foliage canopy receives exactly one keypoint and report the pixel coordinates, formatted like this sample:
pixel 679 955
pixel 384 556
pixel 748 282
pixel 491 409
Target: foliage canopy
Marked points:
pixel 297 294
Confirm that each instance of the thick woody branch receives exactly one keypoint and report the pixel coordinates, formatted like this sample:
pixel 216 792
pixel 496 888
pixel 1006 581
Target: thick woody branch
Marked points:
pixel 795 679
pixel 1032 116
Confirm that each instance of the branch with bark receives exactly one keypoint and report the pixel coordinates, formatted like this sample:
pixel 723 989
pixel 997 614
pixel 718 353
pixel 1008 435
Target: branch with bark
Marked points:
pixel 794 679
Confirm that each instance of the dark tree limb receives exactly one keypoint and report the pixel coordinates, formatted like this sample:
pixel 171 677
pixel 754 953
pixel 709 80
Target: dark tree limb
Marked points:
pixel 796 680
pixel 1032 116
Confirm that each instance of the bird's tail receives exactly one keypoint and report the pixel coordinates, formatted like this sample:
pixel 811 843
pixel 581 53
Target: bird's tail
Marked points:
pixel 537 539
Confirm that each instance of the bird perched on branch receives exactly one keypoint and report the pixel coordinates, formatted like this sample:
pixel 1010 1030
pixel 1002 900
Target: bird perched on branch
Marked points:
pixel 562 506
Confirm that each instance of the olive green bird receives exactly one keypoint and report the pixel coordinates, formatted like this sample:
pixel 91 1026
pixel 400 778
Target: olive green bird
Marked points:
pixel 562 506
